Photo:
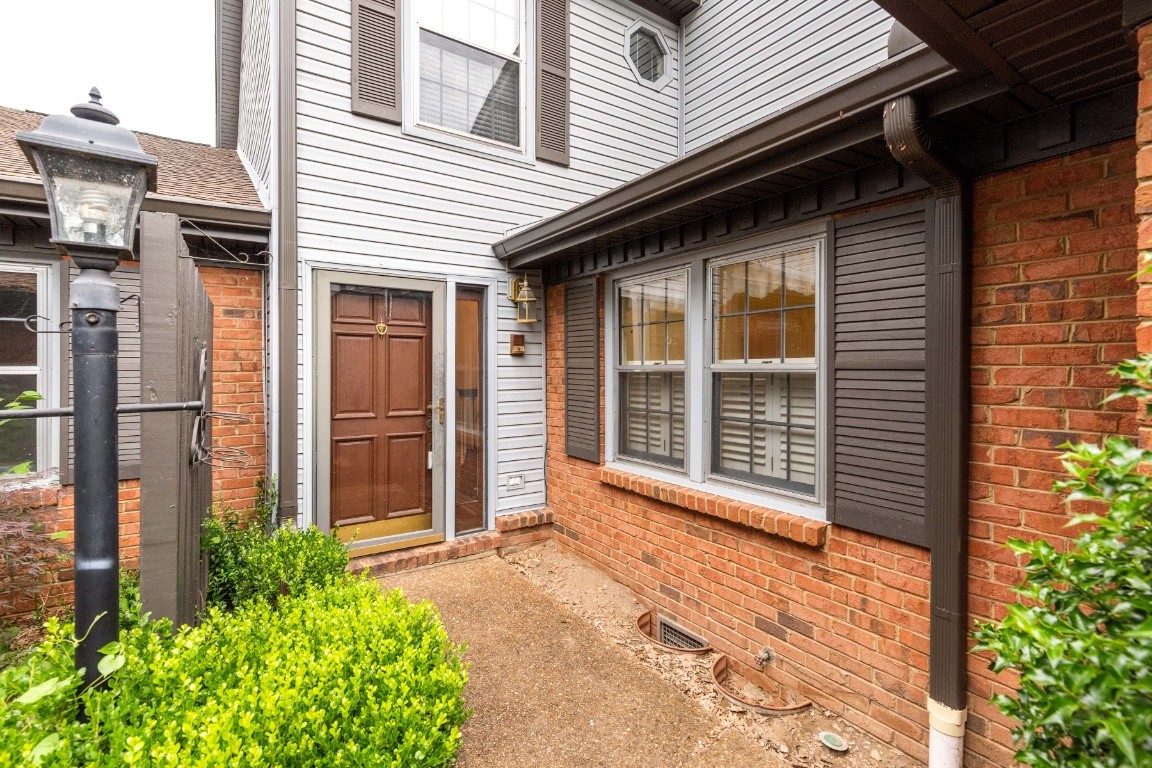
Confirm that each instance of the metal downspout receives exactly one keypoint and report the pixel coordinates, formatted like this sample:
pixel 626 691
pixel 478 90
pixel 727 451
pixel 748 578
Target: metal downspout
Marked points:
pixel 946 455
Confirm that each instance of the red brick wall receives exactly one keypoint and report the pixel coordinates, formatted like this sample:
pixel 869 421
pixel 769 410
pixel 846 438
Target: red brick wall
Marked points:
pixel 238 387
pixel 847 620
pixel 1143 204
pixel 1052 311
pixel 237 378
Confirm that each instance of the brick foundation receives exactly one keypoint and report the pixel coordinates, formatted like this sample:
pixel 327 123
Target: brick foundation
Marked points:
pixel 847 612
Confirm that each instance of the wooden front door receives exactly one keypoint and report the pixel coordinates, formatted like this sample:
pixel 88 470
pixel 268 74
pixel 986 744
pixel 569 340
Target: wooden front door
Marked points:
pixel 383 411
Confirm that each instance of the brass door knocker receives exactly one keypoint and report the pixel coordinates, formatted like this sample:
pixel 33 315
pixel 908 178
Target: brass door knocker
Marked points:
pixel 381 328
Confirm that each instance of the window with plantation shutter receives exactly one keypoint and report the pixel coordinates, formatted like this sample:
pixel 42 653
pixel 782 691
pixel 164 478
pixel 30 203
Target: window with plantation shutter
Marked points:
pixel 718 365
pixel 764 369
pixel 552 81
pixel 651 314
pixel 376 59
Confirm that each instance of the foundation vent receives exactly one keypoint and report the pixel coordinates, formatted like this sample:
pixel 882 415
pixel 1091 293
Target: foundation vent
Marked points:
pixel 678 637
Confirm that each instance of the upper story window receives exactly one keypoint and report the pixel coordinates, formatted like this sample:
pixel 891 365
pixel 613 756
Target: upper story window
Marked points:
pixel 648 55
pixel 25 361
pixel 471 67
pixel 724 387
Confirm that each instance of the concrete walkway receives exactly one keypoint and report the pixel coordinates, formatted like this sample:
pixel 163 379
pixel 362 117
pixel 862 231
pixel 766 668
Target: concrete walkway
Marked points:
pixel 549 691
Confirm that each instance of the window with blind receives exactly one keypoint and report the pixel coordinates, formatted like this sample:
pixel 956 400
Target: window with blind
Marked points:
pixel 471 67
pixel 717 369
pixel 651 316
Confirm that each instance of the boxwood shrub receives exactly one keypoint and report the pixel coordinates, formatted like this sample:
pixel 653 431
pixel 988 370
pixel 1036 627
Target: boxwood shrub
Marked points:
pixel 342 675
pixel 246 563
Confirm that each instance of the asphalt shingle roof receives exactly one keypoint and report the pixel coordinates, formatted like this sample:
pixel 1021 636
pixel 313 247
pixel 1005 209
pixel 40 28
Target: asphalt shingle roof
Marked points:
pixel 185 169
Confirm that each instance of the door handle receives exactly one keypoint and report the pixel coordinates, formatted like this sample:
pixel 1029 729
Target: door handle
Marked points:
pixel 439 407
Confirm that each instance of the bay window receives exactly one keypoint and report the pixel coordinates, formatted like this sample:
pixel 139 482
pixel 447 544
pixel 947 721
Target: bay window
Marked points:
pixel 743 407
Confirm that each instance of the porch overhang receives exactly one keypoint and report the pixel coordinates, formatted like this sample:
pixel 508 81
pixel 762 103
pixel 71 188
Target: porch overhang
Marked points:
pixel 836 130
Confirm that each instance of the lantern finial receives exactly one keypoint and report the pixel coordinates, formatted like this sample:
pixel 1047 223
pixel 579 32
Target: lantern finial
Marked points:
pixel 94 110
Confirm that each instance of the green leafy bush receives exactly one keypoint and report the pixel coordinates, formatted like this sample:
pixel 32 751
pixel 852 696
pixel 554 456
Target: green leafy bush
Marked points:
pixel 1082 639
pixel 342 675
pixel 247 564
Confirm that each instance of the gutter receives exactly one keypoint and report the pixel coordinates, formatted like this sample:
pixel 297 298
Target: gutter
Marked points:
pixel 732 161
pixel 946 456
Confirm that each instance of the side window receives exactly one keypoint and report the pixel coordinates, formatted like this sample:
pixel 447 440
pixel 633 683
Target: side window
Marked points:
pixel 25 361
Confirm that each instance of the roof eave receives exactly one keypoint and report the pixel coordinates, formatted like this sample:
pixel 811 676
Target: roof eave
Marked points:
pixel 26 190
pixel 837 107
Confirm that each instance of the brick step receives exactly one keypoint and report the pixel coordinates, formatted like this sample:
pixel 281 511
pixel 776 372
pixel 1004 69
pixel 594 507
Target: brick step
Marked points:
pixel 512 532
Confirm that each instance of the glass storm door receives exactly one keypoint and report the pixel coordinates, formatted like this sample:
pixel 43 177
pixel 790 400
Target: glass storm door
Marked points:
pixel 386 412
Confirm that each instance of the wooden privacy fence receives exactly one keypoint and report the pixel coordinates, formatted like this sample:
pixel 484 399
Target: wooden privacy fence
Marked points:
pixel 175 474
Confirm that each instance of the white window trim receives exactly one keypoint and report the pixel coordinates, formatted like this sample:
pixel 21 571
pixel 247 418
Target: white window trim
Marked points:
pixel 410 73
pixel 48 381
pixel 698 373
pixel 656 85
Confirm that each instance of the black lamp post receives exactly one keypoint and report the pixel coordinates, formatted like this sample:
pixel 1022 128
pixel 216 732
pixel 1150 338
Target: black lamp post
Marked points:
pixel 95 176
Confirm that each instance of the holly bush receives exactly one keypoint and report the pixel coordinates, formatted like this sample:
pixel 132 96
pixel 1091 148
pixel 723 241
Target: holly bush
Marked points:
pixel 1081 638
pixel 342 675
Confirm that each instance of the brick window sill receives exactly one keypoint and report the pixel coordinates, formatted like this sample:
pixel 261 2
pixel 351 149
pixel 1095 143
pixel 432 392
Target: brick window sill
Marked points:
pixel 802 530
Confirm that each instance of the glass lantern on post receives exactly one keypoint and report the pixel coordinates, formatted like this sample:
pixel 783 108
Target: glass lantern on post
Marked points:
pixel 95 177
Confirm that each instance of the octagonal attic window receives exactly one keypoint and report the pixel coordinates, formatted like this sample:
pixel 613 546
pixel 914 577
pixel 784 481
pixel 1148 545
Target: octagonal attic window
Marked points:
pixel 648 55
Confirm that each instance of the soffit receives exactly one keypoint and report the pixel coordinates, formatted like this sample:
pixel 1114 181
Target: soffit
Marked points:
pixel 1048 52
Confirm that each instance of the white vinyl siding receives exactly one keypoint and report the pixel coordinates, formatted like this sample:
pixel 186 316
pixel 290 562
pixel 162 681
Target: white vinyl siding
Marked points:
pixel 745 59
pixel 254 129
pixel 373 198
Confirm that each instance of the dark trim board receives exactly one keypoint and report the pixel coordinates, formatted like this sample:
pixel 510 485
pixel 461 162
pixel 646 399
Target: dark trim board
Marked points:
pixel 1061 130
pixel 875 184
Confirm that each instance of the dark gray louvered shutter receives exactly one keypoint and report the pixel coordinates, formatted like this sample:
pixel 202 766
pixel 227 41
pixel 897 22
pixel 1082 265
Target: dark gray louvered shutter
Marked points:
pixel 552 82
pixel 878 398
pixel 127 279
pixel 582 370
pixel 376 65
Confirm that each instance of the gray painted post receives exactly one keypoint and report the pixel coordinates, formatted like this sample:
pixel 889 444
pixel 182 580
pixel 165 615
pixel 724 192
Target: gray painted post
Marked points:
pixel 175 482
pixel 160 449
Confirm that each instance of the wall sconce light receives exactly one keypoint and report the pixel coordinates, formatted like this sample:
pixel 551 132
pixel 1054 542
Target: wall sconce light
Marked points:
pixel 522 296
